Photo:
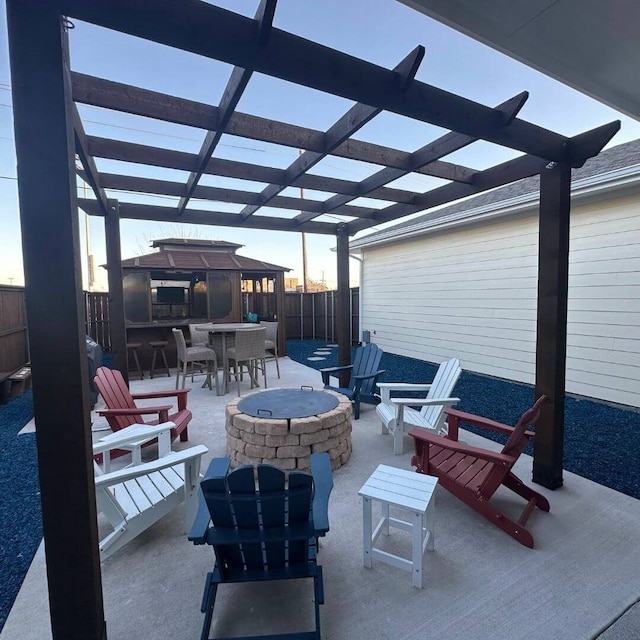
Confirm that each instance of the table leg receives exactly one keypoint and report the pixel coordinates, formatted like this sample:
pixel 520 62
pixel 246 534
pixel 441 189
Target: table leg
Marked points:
pixel 385 516
pixel 416 552
pixel 366 532
pixel 225 363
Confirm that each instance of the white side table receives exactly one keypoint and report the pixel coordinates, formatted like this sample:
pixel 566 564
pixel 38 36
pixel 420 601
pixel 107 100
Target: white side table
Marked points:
pixel 407 490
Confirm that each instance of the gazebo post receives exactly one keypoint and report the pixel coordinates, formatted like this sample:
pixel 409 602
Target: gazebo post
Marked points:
pixel 343 321
pixel 116 295
pixel 551 340
pixel 43 122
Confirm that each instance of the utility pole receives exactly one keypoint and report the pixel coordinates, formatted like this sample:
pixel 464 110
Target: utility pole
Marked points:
pixel 304 247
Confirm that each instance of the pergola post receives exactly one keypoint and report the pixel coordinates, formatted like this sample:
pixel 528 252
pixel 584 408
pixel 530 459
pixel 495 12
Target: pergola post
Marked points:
pixel 551 341
pixel 343 316
pixel 116 296
pixel 43 121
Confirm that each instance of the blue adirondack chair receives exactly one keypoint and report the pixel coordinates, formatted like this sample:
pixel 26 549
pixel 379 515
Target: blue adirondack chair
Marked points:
pixel 364 375
pixel 264 531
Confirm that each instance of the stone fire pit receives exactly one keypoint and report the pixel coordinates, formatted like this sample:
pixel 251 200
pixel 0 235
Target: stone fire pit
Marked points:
pixel 288 442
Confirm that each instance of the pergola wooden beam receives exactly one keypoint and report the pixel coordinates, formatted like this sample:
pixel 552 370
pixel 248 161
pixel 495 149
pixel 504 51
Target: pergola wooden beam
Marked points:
pixel 310 64
pixel 355 118
pixel 446 144
pixel 233 92
pixel 170 159
pixel 203 192
pixel 215 218
pixel 90 171
pixel 107 94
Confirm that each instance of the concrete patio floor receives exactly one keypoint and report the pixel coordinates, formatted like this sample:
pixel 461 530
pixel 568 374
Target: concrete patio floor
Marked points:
pixel 581 580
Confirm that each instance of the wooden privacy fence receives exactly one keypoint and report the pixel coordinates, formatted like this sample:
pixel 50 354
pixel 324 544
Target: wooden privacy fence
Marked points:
pixel 308 316
pixel 312 316
pixel 97 318
pixel 14 340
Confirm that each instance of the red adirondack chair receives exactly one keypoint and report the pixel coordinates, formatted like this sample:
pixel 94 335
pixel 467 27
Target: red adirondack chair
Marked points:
pixel 122 411
pixel 474 474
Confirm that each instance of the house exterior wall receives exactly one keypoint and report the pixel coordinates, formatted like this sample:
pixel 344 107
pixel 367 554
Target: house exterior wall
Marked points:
pixel 471 292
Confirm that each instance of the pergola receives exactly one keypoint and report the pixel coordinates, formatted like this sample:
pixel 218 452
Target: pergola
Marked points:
pixel 49 133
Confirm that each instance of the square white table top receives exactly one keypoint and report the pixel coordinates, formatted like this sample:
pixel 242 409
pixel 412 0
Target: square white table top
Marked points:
pixel 406 489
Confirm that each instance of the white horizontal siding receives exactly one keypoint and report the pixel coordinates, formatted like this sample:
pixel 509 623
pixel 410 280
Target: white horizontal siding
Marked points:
pixel 472 293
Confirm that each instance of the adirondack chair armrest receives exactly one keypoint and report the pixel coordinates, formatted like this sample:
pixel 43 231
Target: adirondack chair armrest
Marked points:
pixel 422 402
pixel 323 484
pixel 457 416
pixel 198 532
pixel 387 387
pixel 128 473
pixel 370 376
pixel 136 433
pixel 419 435
pixel 137 411
pixel 333 371
pixel 180 394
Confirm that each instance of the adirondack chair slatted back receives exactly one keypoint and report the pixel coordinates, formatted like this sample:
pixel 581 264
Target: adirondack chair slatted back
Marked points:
pixel 365 361
pixel 253 527
pixel 115 393
pixel 441 387
pixel 518 440
pixel 490 478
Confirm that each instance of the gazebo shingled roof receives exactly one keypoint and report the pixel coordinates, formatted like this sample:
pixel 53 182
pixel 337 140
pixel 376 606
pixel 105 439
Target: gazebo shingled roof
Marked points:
pixel 199 254
pixel 49 132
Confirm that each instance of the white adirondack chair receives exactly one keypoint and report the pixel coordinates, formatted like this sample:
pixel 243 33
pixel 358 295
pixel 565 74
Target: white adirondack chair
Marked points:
pixel 137 496
pixel 396 413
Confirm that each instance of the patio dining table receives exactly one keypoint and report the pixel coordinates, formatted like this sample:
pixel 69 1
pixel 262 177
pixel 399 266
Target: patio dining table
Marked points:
pixel 219 335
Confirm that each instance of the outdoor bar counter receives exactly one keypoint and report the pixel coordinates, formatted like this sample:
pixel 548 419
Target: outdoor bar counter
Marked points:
pixel 146 332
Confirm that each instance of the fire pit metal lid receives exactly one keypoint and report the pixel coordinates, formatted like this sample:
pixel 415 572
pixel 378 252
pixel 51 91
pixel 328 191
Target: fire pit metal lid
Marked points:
pixel 288 403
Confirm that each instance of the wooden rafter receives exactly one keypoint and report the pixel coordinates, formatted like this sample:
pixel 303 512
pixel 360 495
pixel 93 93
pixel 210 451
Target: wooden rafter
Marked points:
pixel 443 146
pixel 310 64
pixel 107 94
pixel 233 92
pixel 344 128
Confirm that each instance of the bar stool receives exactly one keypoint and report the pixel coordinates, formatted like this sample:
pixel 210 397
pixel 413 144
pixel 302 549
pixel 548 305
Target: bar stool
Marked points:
pixel 159 345
pixel 132 348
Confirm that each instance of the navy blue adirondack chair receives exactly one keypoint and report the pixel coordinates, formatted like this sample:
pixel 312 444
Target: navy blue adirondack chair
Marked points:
pixel 364 376
pixel 265 530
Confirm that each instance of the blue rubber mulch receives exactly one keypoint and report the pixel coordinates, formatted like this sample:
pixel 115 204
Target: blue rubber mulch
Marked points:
pixel 20 520
pixel 602 442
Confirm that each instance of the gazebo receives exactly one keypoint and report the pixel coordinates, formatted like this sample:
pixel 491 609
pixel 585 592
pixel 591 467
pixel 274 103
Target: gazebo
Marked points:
pixel 194 280
pixel 50 132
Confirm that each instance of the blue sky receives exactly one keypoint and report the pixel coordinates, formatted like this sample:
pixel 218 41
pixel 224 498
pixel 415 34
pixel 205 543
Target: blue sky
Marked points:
pixel 379 31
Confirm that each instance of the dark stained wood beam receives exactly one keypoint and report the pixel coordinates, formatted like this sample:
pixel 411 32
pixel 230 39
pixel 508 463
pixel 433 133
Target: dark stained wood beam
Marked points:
pixel 509 171
pixel 213 32
pixel 233 92
pixel 218 194
pixel 215 218
pixel 343 310
pixel 117 327
pixel 342 130
pixel 90 173
pixel 44 135
pixel 551 332
pixel 155 156
pixel 443 146
pixel 134 100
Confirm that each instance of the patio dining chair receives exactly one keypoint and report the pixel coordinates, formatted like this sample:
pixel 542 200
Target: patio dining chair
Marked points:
pixel 248 352
pixel 195 355
pixel 271 342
